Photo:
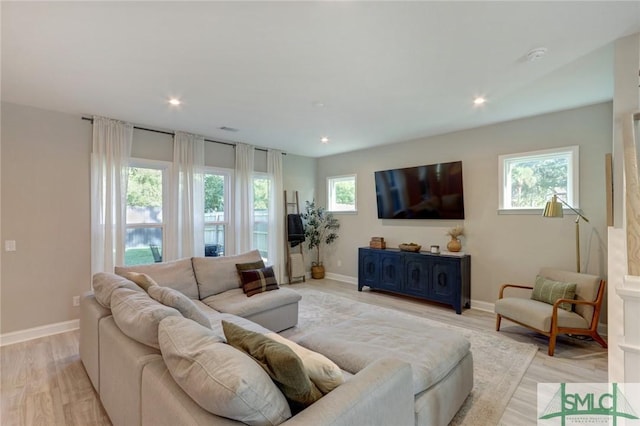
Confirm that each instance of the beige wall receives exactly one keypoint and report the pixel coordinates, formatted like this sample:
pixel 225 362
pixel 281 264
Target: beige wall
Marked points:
pixel 45 192
pixel 45 209
pixel 503 248
pixel 45 203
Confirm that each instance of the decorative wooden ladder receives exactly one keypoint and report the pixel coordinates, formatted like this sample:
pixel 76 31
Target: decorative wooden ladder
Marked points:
pixel 294 257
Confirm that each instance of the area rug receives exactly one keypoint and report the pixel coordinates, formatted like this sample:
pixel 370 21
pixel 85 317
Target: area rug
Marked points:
pixel 498 362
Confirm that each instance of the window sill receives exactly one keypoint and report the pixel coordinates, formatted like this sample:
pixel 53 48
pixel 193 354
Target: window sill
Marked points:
pixel 342 211
pixel 531 212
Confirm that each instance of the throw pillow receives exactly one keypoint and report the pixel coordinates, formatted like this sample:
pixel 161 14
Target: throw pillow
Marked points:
pixel 249 265
pixel 173 298
pixel 548 291
pixel 105 283
pixel 218 377
pixel 143 280
pixel 256 281
pixel 137 315
pixel 323 372
pixel 280 362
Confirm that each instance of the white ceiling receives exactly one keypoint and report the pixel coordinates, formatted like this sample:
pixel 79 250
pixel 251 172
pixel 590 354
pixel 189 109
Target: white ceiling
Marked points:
pixel 386 72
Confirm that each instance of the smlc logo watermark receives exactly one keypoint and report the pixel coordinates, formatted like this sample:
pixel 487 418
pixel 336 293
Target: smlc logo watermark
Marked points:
pixel 588 404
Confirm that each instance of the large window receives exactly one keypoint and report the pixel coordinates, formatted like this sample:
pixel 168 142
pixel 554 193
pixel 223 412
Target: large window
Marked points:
pixel 261 197
pixel 341 193
pixel 217 184
pixel 145 227
pixel 528 180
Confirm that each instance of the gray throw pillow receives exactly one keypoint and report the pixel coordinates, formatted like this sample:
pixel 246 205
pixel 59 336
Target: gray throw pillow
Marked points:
pixel 173 298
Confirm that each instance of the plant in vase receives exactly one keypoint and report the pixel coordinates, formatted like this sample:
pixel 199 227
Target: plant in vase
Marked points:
pixel 455 233
pixel 319 228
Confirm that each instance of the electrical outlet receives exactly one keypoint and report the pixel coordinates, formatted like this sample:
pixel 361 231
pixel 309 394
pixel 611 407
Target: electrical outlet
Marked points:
pixel 76 300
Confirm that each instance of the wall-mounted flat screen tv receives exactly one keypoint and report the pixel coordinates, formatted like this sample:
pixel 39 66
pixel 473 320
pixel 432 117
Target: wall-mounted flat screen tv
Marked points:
pixel 422 192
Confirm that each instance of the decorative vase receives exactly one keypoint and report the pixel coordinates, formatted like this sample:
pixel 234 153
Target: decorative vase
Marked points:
pixel 454 245
pixel 317 272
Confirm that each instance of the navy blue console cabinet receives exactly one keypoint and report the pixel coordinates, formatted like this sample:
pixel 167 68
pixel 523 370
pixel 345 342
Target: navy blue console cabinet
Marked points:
pixel 435 277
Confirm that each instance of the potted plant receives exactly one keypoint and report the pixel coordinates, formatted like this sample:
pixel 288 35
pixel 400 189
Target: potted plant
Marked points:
pixel 319 228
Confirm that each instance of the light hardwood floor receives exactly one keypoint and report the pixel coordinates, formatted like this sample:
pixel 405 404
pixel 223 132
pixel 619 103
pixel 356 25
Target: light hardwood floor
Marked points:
pixel 43 381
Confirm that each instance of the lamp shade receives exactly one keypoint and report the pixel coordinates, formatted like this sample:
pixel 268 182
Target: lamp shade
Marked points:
pixel 553 208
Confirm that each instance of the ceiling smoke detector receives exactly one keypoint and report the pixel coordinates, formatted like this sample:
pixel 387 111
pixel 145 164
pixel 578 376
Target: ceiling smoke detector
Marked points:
pixel 537 53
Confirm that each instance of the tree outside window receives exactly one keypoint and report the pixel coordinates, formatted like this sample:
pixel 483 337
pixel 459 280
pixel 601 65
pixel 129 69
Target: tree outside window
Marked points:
pixel 528 180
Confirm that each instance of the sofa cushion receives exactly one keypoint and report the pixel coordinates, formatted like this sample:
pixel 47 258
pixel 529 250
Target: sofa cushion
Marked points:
pixel 548 291
pixel 356 343
pixel 177 274
pixel 218 377
pixel 278 360
pixel 105 283
pixel 138 316
pixel 173 298
pixel 537 314
pixel 323 372
pixel 237 303
pixel 144 281
pixel 218 274
pixel 255 281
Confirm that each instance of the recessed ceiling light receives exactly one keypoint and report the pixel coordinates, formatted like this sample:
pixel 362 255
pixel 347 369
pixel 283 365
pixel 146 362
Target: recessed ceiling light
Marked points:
pixel 318 104
pixel 324 139
pixel 175 101
pixel 479 100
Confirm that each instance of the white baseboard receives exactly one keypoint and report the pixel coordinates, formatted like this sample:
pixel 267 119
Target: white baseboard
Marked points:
pixel 482 306
pixel 36 332
pixel 343 278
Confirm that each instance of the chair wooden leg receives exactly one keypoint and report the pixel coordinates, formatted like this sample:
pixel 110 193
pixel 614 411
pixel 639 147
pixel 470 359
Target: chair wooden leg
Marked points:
pixel 552 343
pixel 498 319
pixel 599 339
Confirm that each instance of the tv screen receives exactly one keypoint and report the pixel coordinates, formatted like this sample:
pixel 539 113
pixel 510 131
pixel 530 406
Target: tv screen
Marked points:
pixel 422 192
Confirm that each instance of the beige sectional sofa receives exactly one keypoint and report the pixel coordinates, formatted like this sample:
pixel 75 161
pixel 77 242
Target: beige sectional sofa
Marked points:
pixel 121 337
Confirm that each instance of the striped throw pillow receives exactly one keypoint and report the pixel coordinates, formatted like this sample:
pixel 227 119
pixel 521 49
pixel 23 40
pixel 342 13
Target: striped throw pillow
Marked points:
pixel 256 281
pixel 548 291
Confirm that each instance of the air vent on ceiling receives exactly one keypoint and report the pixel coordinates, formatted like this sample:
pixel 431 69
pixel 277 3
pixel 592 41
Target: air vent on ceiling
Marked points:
pixel 228 129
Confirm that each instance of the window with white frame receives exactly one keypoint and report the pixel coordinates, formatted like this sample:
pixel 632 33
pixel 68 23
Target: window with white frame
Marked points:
pixel 217 187
pixel 261 199
pixel 529 179
pixel 341 193
pixel 145 226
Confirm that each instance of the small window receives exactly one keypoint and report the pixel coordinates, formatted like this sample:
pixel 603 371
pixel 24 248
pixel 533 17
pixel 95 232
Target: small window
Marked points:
pixel 341 193
pixel 529 179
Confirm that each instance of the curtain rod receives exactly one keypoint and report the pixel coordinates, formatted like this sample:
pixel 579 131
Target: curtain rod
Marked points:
pixel 173 134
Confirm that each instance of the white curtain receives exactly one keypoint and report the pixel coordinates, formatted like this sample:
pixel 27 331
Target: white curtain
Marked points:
pixel 244 197
pixel 276 214
pixel 185 226
pixel 109 172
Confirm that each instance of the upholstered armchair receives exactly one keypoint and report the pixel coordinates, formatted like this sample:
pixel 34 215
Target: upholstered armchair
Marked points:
pixel 561 307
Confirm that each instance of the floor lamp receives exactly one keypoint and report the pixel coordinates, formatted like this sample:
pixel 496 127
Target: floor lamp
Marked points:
pixel 554 209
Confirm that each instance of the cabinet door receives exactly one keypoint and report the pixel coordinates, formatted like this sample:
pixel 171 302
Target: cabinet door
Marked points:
pixel 368 269
pixel 416 278
pixel 391 271
pixel 445 281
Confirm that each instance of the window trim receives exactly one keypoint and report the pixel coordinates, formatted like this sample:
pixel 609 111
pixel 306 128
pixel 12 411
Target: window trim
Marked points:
pixel 338 178
pixel 573 177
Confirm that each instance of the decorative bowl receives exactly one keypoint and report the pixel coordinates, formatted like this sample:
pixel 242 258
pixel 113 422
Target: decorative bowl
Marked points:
pixel 410 247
